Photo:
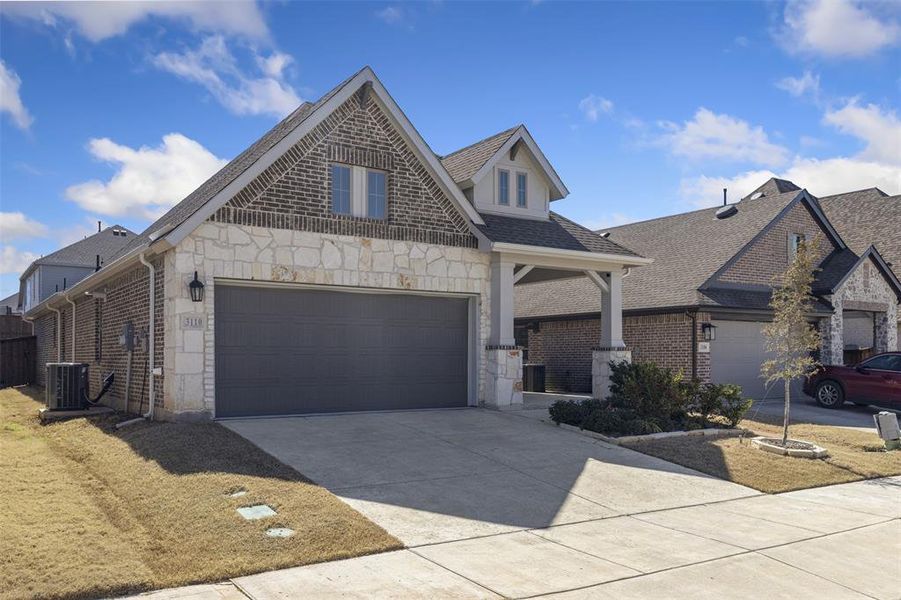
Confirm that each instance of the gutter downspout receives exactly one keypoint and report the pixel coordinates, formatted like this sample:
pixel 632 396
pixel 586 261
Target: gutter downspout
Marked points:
pixel 694 343
pixel 151 349
pixel 59 334
pixel 69 300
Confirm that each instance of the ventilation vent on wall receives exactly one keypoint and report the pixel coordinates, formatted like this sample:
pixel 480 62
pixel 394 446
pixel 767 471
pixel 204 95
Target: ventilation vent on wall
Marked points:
pixel 726 211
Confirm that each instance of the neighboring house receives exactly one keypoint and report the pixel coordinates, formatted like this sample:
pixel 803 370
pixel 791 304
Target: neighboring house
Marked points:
pixel 701 306
pixel 11 323
pixel 69 265
pixel 344 267
pixel 868 217
pixel 10 305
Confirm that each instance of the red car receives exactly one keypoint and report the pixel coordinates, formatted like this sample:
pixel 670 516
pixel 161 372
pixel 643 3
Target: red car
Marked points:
pixel 876 380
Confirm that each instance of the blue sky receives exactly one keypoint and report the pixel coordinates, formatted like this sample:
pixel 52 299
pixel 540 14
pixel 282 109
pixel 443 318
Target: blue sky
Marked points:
pixel 116 112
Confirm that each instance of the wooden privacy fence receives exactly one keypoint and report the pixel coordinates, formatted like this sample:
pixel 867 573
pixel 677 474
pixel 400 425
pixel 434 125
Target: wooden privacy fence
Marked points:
pixel 17 356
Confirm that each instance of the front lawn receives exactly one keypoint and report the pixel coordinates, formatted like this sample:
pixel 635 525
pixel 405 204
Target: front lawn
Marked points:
pixel 853 455
pixel 89 511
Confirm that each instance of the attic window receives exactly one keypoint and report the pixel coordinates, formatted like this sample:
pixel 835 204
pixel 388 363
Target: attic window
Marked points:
pixel 794 242
pixel 503 187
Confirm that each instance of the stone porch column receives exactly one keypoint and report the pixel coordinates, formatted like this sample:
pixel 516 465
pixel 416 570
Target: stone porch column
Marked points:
pixel 503 358
pixel 612 347
pixel 886 332
pixel 832 345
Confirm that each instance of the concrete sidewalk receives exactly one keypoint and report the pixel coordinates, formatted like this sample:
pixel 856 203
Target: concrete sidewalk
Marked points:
pixel 841 541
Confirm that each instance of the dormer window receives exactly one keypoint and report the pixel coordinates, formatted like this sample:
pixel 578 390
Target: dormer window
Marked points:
pixel 503 187
pixel 359 192
pixel 521 191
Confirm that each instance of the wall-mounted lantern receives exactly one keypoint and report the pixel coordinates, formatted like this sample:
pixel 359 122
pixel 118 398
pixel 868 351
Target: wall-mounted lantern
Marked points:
pixel 709 331
pixel 196 288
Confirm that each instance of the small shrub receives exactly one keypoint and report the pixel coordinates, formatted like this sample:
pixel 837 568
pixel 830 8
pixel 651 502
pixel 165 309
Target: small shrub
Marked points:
pixel 732 406
pixel 573 412
pixel 645 398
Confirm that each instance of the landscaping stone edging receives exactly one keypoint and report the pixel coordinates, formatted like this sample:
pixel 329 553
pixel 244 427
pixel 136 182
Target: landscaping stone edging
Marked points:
pixel 617 441
pixel 761 443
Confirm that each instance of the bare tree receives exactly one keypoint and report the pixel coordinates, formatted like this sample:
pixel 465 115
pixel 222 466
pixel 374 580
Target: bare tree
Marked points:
pixel 790 338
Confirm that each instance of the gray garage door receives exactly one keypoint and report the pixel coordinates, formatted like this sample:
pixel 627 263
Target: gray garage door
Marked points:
pixel 282 351
pixel 736 355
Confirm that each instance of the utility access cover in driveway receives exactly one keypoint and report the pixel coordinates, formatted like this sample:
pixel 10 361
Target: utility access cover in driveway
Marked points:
pixel 283 351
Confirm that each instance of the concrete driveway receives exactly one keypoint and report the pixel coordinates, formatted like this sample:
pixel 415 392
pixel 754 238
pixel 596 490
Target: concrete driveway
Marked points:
pixel 805 410
pixel 497 505
pixel 445 475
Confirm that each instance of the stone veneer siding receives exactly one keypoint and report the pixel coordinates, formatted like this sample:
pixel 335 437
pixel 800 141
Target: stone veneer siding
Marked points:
pixel 865 289
pixel 127 300
pixel 565 347
pixel 220 251
pixel 295 191
pixel 768 257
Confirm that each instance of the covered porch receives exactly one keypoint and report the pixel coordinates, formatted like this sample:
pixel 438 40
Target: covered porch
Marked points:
pixel 514 267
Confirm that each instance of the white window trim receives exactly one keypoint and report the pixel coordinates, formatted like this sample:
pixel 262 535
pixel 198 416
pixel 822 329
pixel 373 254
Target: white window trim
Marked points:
pixel 359 191
pixel 498 187
pixel 525 175
pixel 794 240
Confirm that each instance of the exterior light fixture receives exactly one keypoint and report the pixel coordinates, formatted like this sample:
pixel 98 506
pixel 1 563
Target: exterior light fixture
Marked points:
pixel 709 330
pixel 196 288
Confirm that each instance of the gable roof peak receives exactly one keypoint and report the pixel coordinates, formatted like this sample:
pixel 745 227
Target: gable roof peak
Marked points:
pixel 772 187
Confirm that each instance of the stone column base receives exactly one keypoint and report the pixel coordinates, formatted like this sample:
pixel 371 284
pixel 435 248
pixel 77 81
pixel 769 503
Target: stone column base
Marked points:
pixel 600 369
pixel 503 377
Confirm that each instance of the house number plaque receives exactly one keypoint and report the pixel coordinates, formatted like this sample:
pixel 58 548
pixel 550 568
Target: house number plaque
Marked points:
pixel 192 322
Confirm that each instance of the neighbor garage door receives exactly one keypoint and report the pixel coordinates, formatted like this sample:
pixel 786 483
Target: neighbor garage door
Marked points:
pixel 736 355
pixel 283 351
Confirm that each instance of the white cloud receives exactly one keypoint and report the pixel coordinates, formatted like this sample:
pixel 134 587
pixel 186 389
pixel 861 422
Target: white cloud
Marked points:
pixel 392 15
pixel 880 130
pixel 148 180
pixel 820 177
pixel 838 28
pixel 10 100
pixel 214 67
pixel 808 83
pixel 13 260
pixel 98 21
pixel 608 220
pixel 16 226
pixel 594 106
pixel 719 136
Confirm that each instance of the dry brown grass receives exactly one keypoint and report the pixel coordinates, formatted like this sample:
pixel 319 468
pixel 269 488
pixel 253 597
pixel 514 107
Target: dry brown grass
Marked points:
pixel 853 455
pixel 88 511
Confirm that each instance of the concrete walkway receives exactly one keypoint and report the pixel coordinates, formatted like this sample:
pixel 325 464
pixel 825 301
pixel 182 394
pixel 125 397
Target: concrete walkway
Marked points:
pixel 495 505
pixel 794 546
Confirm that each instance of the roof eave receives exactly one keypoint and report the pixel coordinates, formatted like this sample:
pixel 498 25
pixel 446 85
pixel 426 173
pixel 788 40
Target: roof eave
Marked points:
pixel 537 251
pixel 366 75
pixel 90 282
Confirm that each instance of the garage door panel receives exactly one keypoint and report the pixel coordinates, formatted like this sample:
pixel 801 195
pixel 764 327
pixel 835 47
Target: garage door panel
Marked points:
pixel 736 356
pixel 294 351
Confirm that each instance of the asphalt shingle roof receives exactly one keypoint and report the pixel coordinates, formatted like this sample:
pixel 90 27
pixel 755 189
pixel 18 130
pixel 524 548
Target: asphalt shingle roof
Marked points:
pixel 465 162
pixel 687 249
pixel 215 184
pixel 84 253
pixel 557 232
pixel 868 217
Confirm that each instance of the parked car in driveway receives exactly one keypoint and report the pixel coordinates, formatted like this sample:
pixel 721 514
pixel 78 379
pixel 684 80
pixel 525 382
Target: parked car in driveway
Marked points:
pixel 876 380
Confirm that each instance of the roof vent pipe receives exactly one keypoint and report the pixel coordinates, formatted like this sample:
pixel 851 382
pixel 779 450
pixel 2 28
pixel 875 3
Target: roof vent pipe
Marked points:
pixel 724 196
pixel 97 263
pixel 98 227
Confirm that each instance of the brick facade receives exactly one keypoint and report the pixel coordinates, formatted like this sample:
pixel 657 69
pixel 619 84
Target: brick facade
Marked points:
pixel 295 191
pixel 564 347
pixel 768 256
pixel 98 325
